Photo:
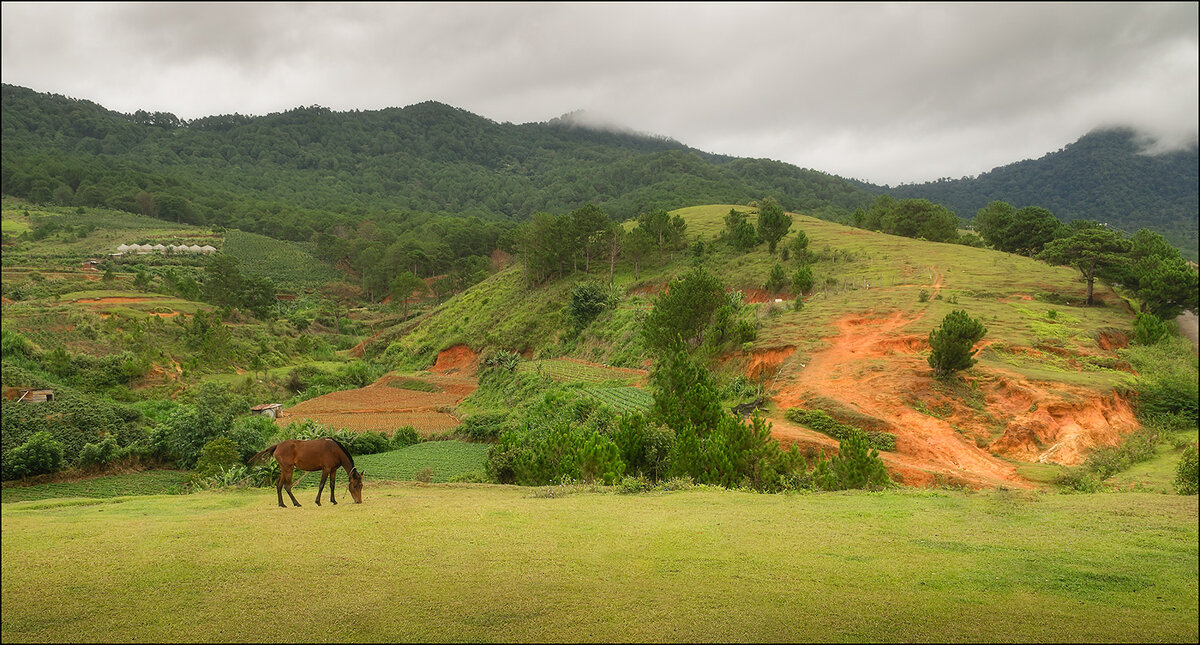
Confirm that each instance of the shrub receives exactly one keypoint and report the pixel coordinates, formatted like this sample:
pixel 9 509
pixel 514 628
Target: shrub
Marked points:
pixel 820 421
pixel 1079 480
pixel 776 279
pixel 98 455
pixel 802 279
pixel 586 301
pixel 40 454
pixel 923 296
pixel 405 437
pixel 857 465
pixel 1186 473
pixel 215 456
pixel 952 343
pixel 486 426
pixel 1148 329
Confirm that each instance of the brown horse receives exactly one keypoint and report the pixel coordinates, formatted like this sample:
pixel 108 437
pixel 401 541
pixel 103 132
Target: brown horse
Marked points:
pixel 325 455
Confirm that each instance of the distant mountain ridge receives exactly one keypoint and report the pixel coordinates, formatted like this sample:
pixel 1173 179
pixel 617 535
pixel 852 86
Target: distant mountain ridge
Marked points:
pixel 1103 177
pixel 427 157
pixel 286 174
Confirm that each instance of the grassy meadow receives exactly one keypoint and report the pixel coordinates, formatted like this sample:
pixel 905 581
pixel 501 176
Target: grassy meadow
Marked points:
pixel 496 563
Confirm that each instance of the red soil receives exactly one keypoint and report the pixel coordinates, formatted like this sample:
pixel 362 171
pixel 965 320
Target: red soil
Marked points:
pixel 458 358
pixel 756 296
pixel 382 407
pixel 873 368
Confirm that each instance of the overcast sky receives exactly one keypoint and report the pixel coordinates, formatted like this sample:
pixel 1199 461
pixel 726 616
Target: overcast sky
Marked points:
pixel 880 92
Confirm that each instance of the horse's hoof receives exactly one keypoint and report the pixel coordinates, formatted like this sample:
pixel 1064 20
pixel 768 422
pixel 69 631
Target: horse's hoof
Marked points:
pixel 332 502
pixel 318 503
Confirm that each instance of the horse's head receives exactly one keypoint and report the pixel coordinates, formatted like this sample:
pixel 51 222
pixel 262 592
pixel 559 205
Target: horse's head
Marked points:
pixel 356 485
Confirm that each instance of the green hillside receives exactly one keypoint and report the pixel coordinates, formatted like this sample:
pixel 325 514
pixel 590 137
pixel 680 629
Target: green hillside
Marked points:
pixel 287 174
pixel 1104 176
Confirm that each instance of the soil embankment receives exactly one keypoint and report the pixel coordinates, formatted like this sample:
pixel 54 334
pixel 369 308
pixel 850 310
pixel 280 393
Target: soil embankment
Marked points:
pixel 873 367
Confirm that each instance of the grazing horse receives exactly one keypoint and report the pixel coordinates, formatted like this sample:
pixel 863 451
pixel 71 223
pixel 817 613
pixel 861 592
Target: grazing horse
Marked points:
pixel 325 455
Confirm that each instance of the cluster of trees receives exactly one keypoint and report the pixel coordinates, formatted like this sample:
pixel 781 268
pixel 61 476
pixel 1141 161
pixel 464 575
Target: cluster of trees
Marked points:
pixel 916 218
pixel 1144 263
pixel 553 246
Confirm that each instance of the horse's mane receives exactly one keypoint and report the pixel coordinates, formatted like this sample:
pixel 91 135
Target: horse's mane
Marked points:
pixel 348 455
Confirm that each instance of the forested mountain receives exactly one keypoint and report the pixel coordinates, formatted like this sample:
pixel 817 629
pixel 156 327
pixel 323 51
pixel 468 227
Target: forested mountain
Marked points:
pixel 1103 177
pixel 292 173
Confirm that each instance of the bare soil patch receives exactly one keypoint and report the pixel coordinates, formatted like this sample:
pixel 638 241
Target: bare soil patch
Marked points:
pixel 383 407
pixel 458 359
pixel 872 367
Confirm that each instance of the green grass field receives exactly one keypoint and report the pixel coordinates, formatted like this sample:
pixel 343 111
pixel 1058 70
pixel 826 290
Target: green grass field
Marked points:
pixel 497 563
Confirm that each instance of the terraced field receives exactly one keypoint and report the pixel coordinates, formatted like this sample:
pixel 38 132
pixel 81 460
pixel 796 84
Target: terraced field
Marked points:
pixel 385 407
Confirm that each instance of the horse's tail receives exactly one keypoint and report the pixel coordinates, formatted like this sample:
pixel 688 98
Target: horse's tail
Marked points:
pixel 262 454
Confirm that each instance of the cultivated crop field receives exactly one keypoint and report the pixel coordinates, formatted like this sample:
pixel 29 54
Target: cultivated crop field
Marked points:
pixel 569 370
pixel 456 562
pixel 621 399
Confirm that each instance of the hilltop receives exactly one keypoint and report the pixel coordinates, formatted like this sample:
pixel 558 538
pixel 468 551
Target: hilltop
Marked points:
pixel 1105 176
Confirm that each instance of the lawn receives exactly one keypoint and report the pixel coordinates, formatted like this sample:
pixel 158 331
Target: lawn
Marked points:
pixel 456 562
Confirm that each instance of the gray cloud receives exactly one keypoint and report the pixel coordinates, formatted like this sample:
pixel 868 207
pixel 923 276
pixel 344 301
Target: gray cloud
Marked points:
pixel 884 92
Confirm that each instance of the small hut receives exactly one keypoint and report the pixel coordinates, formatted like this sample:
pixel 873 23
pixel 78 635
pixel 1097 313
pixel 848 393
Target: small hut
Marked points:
pixel 158 248
pixel 35 395
pixel 124 248
pixel 208 249
pixel 195 248
pixel 272 410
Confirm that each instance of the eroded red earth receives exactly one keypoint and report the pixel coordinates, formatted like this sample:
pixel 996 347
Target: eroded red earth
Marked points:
pixel 876 366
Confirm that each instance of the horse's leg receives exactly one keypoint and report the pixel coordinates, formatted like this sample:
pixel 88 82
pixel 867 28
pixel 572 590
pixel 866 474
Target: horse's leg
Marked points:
pixel 279 489
pixel 332 477
pixel 287 484
pixel 321 488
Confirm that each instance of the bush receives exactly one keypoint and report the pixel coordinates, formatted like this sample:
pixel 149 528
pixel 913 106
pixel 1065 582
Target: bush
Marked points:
pixel 1148 329
pixel 486 426
pixel 952 343
pixel 98 455
pixel 820 421
pixel 1186 474
pixel 405 437
pixel 586 301
pixel 219 454
pixel 40 454
pixel 1079 480
pixel 857 465
pixel 776 279
pixel 802 280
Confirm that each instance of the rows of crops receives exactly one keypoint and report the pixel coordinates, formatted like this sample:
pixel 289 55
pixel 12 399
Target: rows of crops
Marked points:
pixel 623 399
pixel 568 371
pixel 288 264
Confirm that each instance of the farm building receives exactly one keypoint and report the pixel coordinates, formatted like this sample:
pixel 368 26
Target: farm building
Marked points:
pixel 273 410
pixel 35 395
